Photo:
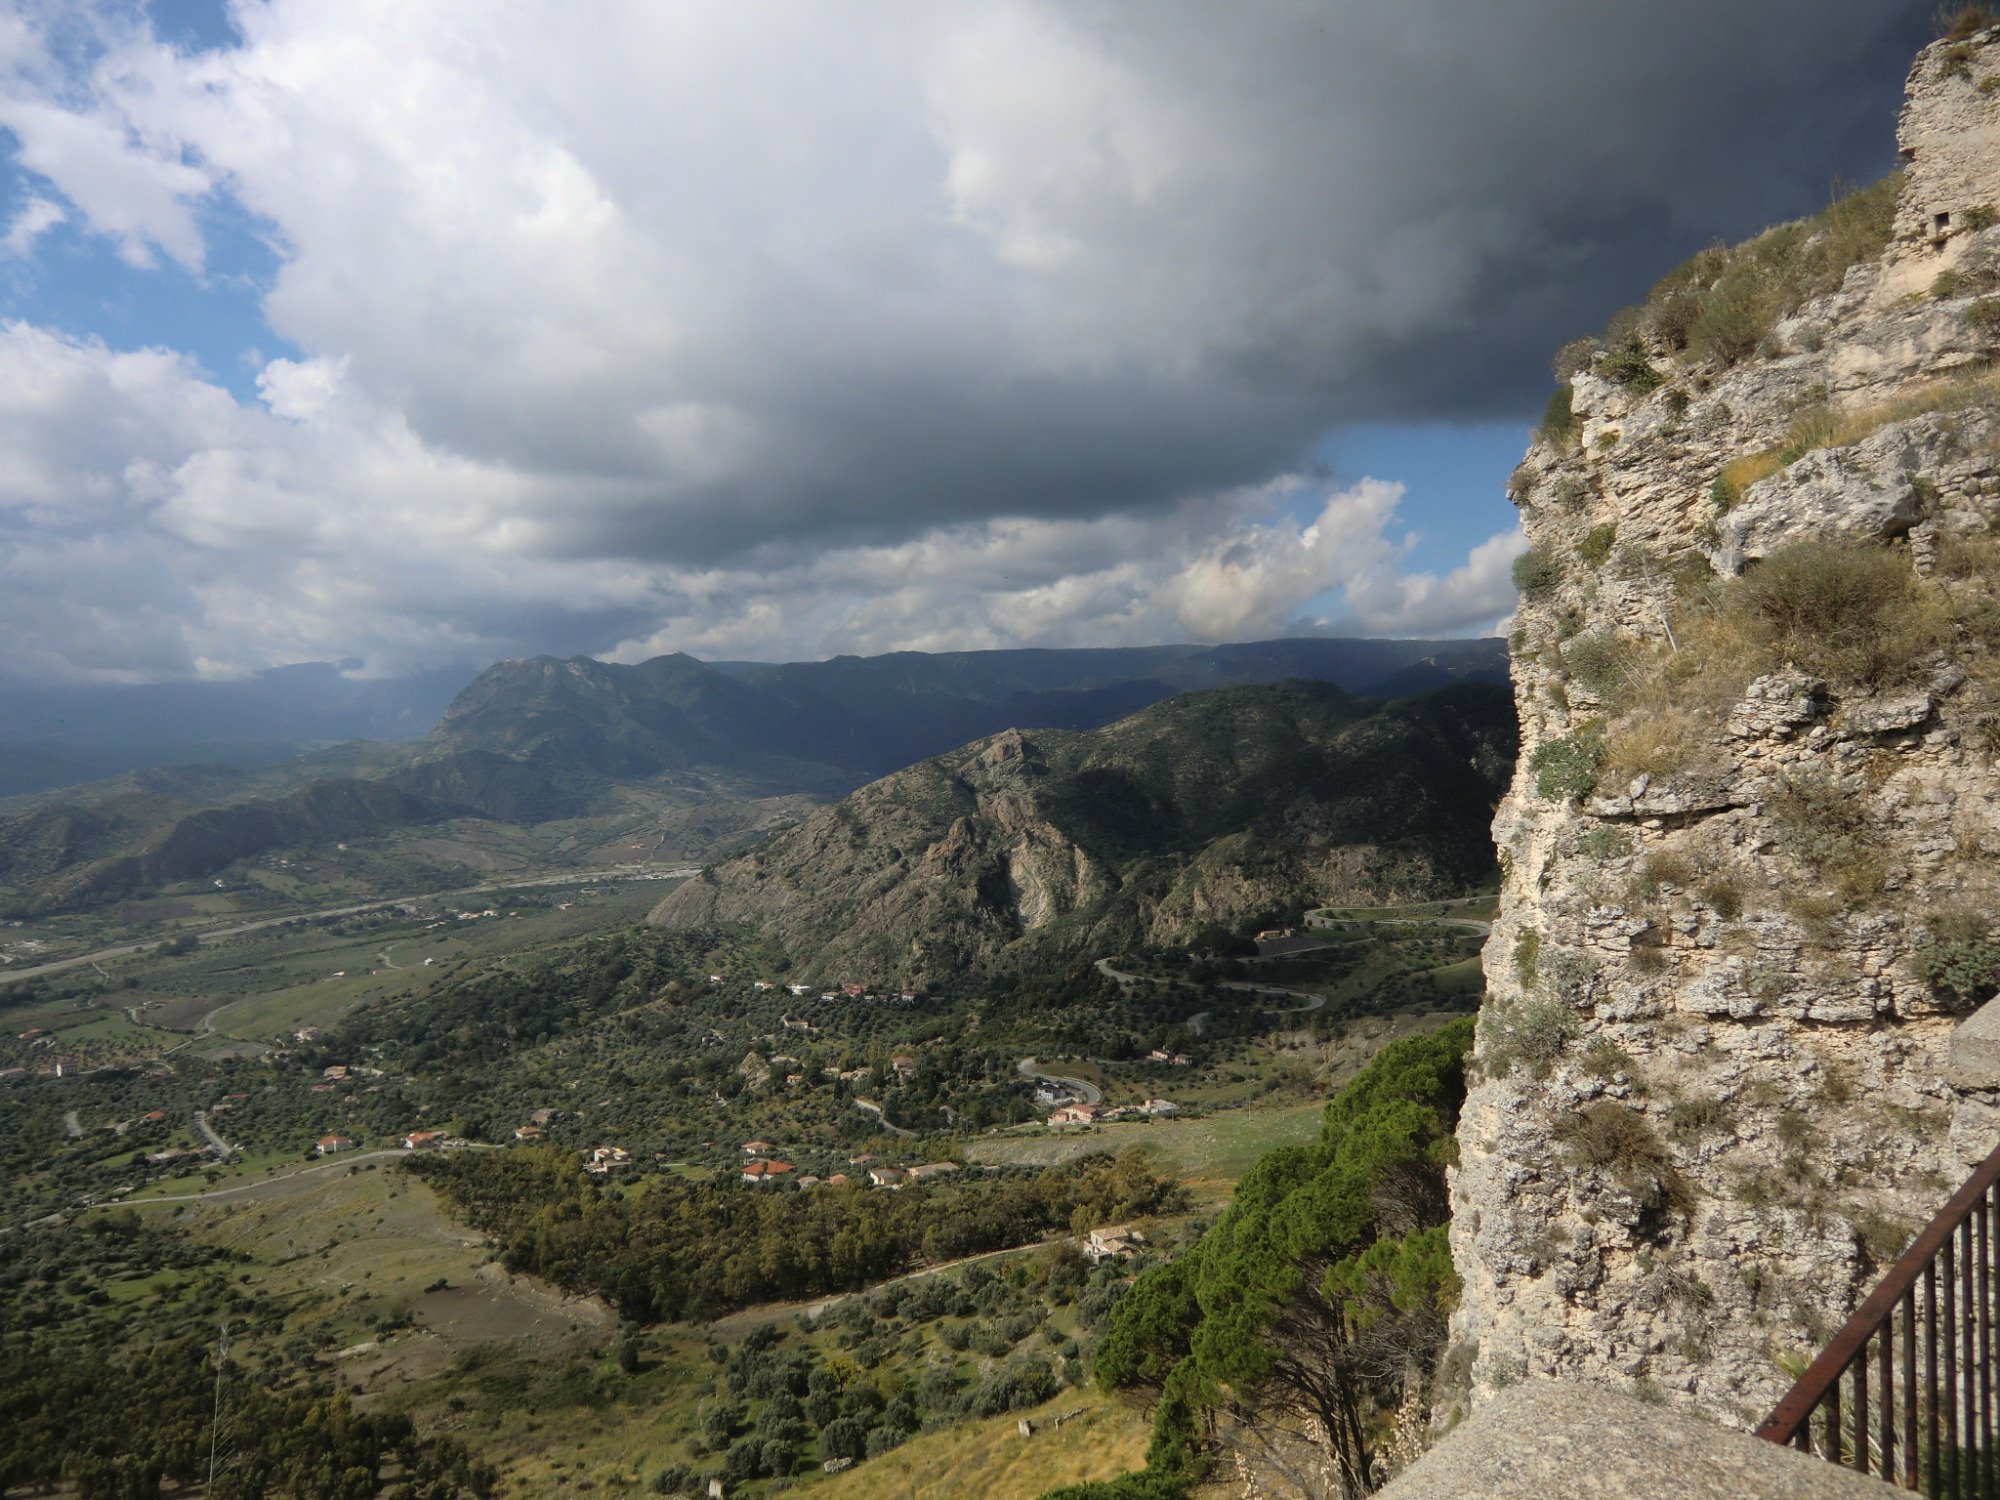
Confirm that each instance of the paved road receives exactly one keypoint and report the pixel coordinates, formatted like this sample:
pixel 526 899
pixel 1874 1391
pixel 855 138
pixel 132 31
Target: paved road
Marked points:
pixel 1089 1092
pixel 1313 1002
pixel 568 877
pixel 870 1107
pixel 221 1147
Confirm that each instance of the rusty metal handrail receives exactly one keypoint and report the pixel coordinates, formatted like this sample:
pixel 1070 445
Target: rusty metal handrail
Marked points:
pixel 1946 1289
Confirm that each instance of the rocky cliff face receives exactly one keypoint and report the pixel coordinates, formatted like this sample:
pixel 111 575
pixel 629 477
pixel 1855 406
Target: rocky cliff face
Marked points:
pixel 1749 850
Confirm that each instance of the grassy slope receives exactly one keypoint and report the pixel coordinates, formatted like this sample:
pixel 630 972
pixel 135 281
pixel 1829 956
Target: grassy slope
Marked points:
pixel 991 1460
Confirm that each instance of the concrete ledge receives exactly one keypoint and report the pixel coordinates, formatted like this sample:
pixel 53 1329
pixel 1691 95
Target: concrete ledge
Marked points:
pixel 1973 1062
pixel 1553 1440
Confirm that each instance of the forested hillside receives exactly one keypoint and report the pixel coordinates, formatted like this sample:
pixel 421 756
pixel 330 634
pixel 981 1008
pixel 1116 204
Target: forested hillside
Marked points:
pixel 1210 810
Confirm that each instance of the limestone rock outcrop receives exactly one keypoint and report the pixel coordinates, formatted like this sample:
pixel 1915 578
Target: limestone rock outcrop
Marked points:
pixel 1750 847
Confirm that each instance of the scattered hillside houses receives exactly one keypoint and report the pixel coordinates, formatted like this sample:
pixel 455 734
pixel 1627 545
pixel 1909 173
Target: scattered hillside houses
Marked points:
pixel 605 1160
pixel 886 1177
pixel 797 990
pixel 760 985
pixel 763 1172
pixel 1171 1059
pixel 423 1140
pixel 328 1144
pixel 1113 1242
pixel 838 1179
pixel 797 1023
pixel 154 1116
pixel 527 1132
pixel 1159 1107
pixel 307 1034
pixel 339 1072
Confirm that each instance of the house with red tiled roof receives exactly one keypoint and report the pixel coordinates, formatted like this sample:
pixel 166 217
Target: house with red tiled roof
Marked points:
pixel 762 1171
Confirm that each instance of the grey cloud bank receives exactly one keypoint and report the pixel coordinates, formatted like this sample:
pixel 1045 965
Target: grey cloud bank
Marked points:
pixel 783 330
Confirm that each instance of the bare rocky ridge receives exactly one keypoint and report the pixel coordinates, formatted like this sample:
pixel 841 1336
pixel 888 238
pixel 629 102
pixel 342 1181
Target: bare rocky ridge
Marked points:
pixel 1212 807
pixel 1712 1096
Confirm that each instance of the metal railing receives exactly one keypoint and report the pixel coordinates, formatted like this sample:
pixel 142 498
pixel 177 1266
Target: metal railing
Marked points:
pixel 1906 1390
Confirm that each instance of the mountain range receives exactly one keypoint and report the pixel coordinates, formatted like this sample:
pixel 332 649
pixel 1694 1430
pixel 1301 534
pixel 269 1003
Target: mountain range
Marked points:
pixel 542 739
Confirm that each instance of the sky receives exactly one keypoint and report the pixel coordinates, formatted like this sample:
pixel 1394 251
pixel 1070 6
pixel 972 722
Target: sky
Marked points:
pixel 410 332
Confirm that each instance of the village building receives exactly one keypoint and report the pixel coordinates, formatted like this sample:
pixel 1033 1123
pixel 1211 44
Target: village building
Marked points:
pixel 756 1148
pixel 763 1172
pixel 527 1132
pixel 1076 1114
pixel 605 1160
pixel 886 1177
pixel 1113 1242
pixel 931 1169
pixel 423 1140
pixel 328 1144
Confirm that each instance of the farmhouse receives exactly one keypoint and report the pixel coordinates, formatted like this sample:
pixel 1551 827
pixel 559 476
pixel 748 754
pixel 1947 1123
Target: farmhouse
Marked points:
pixel 1113 1242
pixel 762 1171
pixel 328 1144
pixel 423 1140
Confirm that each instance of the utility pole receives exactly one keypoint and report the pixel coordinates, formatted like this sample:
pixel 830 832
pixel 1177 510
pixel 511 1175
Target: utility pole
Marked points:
pixel 215 1429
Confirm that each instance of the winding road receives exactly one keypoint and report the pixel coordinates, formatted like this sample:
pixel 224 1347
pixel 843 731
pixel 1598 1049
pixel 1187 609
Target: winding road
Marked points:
pixel 870 1107
pixel 221 1147
pixel 1088 1092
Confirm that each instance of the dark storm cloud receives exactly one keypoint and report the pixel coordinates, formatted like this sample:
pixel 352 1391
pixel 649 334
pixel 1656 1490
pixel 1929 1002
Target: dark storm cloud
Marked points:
pixel 619 313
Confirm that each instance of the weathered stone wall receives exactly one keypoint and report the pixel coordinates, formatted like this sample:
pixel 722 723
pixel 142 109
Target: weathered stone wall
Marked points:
pixel 1711 1093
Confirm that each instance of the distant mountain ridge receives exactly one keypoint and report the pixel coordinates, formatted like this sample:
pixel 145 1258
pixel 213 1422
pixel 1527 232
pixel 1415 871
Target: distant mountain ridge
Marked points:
pixel 1222 806
pixel 540 739
pixel 851 718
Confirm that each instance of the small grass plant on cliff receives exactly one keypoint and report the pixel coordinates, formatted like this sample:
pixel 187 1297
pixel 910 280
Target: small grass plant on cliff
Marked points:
pixel 1850 613
pixel 1960 959
pixel 1724 304
pixel 1818 426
